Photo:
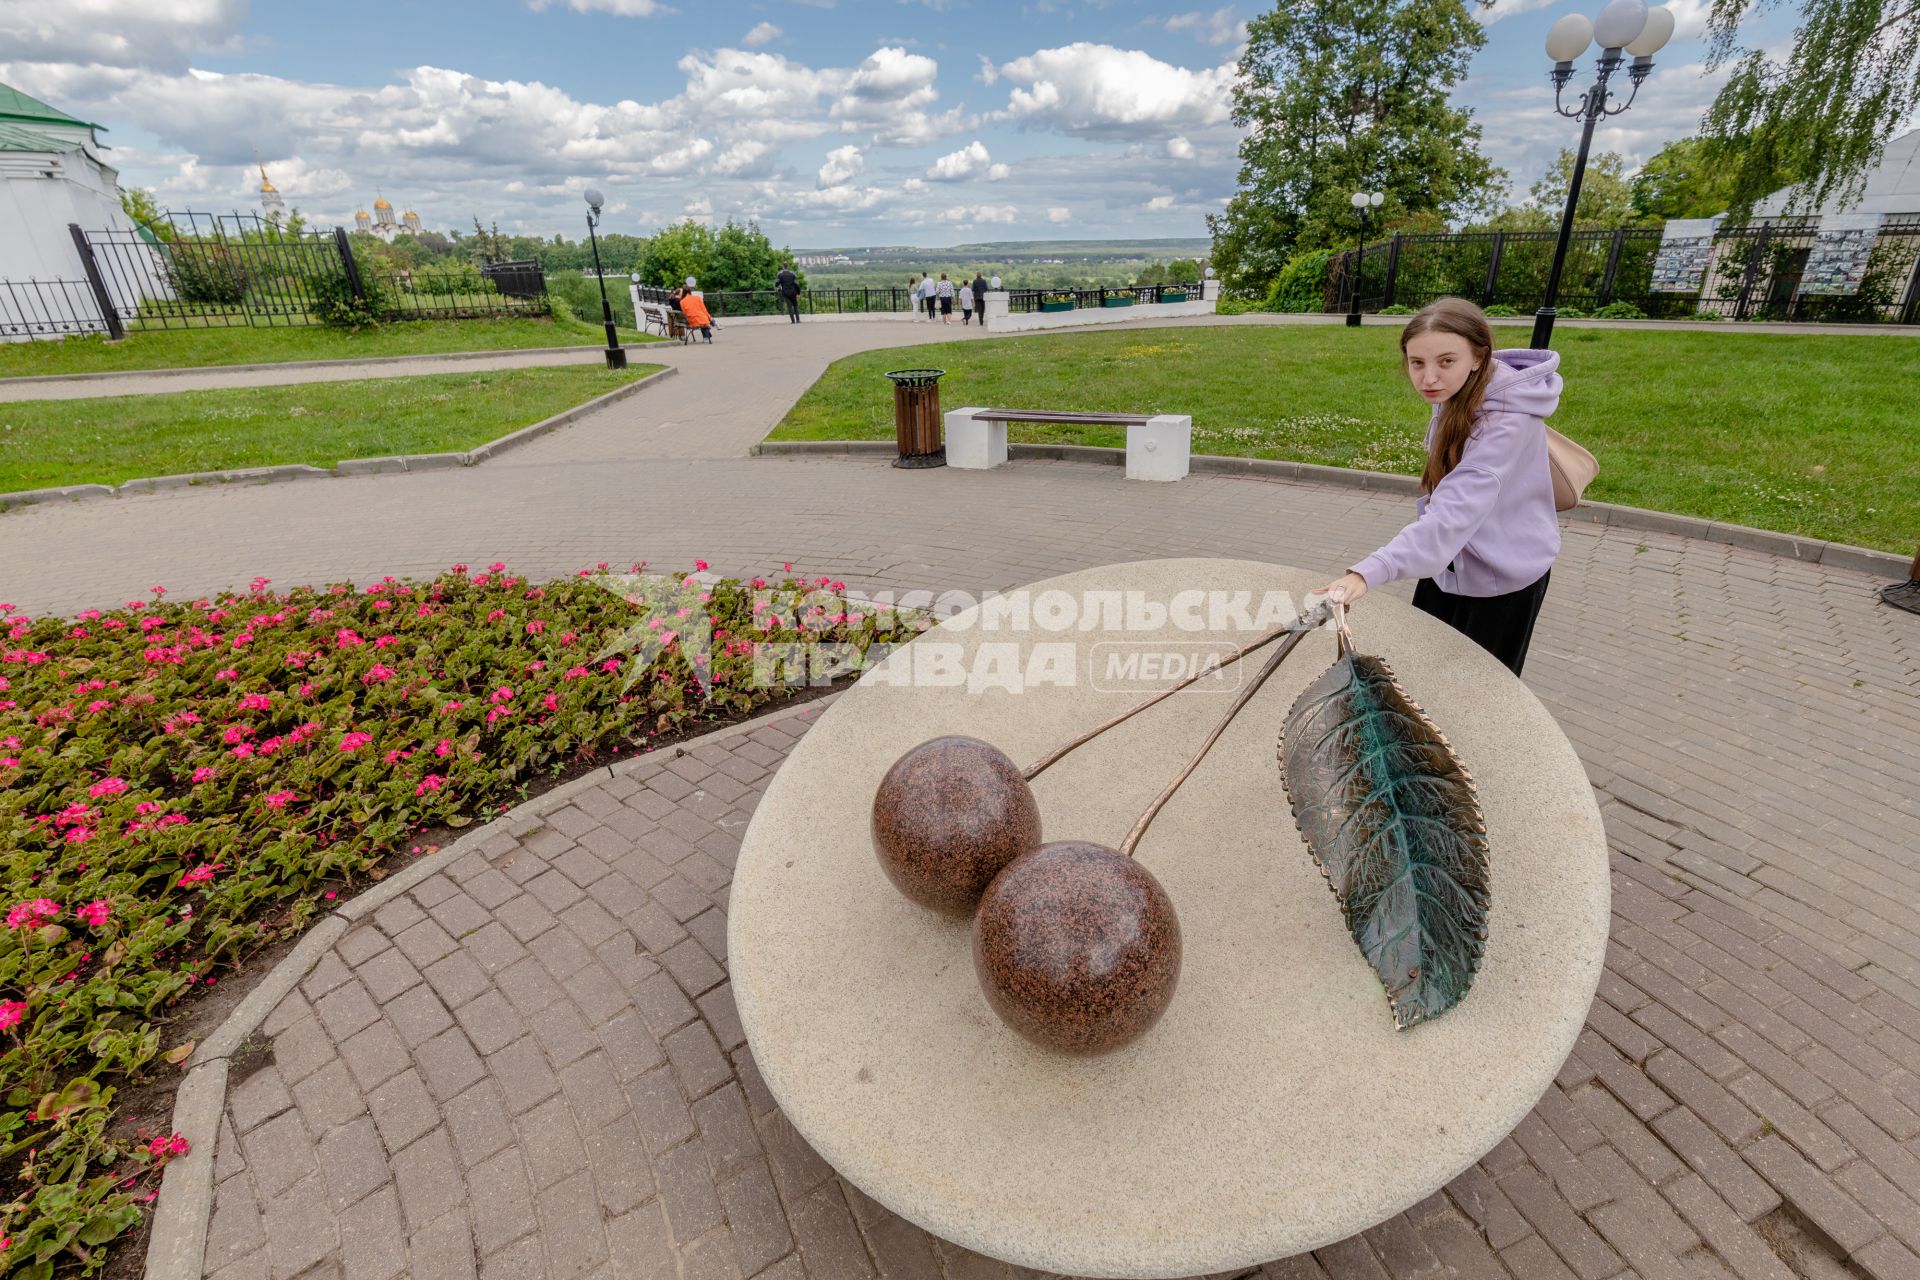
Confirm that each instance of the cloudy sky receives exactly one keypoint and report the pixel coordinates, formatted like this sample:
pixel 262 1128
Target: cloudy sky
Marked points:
pixel 833 122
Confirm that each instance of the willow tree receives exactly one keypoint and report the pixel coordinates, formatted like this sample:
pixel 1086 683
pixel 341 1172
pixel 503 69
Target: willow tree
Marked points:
pixel 1339 95
pixel 1825 111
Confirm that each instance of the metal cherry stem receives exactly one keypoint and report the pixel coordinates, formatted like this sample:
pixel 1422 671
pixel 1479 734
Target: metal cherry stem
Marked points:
pixel 1307 621
pixel 1253 686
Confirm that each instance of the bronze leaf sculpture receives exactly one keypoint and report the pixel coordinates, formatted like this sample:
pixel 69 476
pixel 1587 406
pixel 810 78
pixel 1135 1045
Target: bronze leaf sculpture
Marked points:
pixel 1392 820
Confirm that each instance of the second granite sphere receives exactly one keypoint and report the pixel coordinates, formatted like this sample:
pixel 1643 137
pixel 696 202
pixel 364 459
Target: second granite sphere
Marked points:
pixel 948 816
pixel 1077 947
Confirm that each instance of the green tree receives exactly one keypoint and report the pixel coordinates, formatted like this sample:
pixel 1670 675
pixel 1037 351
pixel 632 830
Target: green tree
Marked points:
pixel 676 252
pixel 1342 95
pixel 1606 198
pixel 139 204
pixel 485 246
pixel 743 258
pixel 1678 182
pixel 1823 114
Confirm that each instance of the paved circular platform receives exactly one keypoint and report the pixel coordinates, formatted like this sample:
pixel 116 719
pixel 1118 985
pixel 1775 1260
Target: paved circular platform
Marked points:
pixel 1273 1109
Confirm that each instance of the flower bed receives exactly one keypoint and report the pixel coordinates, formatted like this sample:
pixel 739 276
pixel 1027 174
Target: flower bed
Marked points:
pixel 181 783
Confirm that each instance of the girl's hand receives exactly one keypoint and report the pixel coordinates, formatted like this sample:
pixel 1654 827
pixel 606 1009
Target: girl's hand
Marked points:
pixel 1345 590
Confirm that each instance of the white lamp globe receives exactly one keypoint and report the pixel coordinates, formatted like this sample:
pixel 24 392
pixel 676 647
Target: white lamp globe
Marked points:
pixel 1654 36
pixel 595 199
pixel 1376 199
pixel 1358 199
pixel 1569 37
pixel 1209 273
pixel 1620 23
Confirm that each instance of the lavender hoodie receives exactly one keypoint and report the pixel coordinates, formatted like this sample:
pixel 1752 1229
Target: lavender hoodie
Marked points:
pixel 1489 527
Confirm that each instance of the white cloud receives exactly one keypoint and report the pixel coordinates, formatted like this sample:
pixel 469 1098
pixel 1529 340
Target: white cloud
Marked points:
pixel 999 173
pixel 733 83
pixel 1096 90
pixel 119 33
pixel 1160 202
pixel 843 163
pixel 624 8
pixel 1217 27
pixel 745 158
pixel 1179 148
pixel 889 80
pixel 1059 214
pixel 762 33
pixel 1001 213
pixel 1503 9
pixel 988 72
pixel 970 161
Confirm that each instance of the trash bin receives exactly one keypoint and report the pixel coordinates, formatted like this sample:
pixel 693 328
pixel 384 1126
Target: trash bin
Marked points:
pixel 916 417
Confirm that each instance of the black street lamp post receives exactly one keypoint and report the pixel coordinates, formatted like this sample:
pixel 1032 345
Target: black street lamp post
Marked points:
pixel 1363 202
pixel 616 354
pixel 1623 24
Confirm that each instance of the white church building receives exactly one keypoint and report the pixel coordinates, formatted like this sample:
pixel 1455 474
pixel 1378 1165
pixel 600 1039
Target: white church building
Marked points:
pixel 52 174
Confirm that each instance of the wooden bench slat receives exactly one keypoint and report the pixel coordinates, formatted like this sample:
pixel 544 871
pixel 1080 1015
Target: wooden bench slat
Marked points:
pixel 1042 415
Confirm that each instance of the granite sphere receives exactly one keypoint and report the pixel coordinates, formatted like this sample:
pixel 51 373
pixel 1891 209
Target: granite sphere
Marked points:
pixel 948 816
pixel 1077 947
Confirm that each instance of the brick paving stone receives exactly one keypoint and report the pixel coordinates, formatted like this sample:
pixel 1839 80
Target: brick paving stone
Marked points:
pixel 300 1229
pixel 258 1098
pixel 501 1199
pixel 372 1244
pixel 1753 1012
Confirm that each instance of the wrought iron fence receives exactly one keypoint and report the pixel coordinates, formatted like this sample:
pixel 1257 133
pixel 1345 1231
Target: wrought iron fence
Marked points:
pixel 1021 301
pixel 769 302
pixel 194 270
pixel 1754 273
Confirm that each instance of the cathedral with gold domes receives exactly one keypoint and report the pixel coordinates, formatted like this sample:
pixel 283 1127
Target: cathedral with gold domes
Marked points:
pixel 384 224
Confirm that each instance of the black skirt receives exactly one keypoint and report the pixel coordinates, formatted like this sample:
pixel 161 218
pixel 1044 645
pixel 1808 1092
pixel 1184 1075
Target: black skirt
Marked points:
pixel 1502 625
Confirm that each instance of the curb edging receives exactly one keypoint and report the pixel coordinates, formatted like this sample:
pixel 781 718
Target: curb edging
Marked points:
pixel 344 468
pixel 177 1242
pixel 1838 555
pixel 45 379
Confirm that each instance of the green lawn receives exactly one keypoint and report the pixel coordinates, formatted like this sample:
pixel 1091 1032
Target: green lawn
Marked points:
pixel 1809 434
pixel 182 348
pixel 44 443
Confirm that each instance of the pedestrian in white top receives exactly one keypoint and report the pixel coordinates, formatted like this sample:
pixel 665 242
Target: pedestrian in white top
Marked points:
pixel 928 297
pixel 966 304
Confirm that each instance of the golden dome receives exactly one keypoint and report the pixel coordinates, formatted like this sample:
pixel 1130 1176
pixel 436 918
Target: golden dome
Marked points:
pixel 266 186
pixel 382 203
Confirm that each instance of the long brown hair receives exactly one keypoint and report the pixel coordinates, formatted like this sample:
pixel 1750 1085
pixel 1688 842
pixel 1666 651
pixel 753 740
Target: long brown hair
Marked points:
pixel 1461 318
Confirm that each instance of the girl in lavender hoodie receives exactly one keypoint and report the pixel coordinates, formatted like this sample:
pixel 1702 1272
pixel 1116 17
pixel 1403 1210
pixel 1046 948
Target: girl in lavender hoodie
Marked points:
pixel 1484 535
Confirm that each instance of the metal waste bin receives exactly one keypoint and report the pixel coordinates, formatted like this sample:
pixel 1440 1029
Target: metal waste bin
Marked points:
pixel 916 417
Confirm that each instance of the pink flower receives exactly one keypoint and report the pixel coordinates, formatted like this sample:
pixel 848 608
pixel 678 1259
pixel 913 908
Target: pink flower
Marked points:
pixel 379 674
pixel 11 1011
pixel 443 748
pixel 77 835
pixel 32 913
pixel 172 820
pixel 201 874
pixel 502 694
pixel 496 568
pixel 229 674
pixel 256 702
pixel 700 566
pixel 432 782
pixel 95 912
pixel 496 615
pixel 552 702
pixel 346 639
pixel 107 787
pixel 535 628
pixel 148 806
pixel 205 773
pixel 278 799
pixel 9 762
pixel 355 741
pixel 396 756
pixel 458 568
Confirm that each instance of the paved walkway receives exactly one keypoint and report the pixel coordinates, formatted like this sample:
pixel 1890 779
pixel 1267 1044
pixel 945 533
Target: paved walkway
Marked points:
pixel 530 1066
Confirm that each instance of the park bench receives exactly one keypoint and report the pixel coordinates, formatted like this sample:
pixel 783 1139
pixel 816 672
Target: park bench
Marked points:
pixel 1159 446
pixel 658 317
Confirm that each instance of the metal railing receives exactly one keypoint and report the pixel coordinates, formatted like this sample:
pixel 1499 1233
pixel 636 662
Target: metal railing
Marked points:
pixel 723 303
pixel 194 271
pixel 1022 301
pixel 1754 273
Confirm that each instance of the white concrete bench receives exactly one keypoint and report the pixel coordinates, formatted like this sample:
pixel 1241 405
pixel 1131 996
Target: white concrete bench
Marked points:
pixel 1159 446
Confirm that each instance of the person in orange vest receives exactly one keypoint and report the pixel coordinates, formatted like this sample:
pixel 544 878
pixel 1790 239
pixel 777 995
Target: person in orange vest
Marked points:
pixel 694 308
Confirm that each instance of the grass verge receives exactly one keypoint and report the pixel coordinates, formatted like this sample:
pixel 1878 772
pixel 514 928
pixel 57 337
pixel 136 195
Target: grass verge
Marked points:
pixel 1805 434
pixel 105 440
pixel 187 348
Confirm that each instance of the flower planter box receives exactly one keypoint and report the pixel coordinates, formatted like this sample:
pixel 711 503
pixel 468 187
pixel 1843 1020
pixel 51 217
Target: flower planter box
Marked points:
pixel 1126 301
pixel 1056 306
pixel 1171 296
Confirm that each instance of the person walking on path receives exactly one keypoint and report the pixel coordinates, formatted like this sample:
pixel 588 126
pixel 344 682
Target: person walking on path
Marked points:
pixel 788 286
pixel 944 292
pixel 1484 535
pixel 929 296
pixel 966 304
pixel 980 297
pixel 913 296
